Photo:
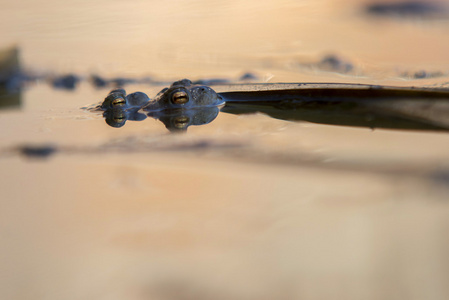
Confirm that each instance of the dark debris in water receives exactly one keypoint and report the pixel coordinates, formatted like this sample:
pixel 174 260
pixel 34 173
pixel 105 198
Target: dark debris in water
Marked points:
pixel 98 81
pixel 116 82
pixel 336 64
pixel 441 177
pixel 248 77
pixel 422 9
pixel 33 151
pixel 122 81
pixel 212 81
pixel 422 74
pixel 130 144
pixel 329 63
pixel 68 82
pixel 13 77
pixel 135 144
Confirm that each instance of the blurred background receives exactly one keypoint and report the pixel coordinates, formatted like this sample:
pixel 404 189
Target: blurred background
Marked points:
pixel 246 207
pixel 224 38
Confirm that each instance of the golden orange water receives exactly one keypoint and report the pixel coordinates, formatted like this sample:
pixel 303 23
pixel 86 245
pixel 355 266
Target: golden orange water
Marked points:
pixel 268 209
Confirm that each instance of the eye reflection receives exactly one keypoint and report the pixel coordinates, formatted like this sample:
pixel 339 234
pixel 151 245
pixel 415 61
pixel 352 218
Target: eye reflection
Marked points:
pixel 119 119
pixel 181 122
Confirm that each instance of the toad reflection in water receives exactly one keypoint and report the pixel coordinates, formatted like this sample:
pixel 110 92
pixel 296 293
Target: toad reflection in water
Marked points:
pixel 117 117
pixel 184 104
pixel 178 120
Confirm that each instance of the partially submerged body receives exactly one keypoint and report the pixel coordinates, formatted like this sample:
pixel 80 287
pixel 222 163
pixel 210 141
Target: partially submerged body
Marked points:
pixel 184 104
pixel 180 95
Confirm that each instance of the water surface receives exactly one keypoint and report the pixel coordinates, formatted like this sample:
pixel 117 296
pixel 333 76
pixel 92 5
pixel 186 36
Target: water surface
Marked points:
pixel 245 207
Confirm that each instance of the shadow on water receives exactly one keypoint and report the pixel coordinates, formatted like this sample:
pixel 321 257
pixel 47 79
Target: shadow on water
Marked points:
pixel 332 104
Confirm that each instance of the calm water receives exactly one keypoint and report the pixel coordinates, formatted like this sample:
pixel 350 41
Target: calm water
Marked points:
pixel 245 207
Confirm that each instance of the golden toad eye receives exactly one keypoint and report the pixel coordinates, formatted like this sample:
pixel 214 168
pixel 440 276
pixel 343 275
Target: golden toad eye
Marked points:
pixel 180 98
pixel 119 101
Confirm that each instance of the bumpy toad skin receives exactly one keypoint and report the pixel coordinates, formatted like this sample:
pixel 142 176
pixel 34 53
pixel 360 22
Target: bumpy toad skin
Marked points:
pixel 184 95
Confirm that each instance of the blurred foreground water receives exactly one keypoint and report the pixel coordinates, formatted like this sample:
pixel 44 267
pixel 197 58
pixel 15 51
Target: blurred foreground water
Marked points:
pixel 245 207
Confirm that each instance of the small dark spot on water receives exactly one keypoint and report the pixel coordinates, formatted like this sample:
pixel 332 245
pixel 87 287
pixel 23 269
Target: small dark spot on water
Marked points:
pixel 67 82
pixel 37 151
pixel 336 64
pixel 441 177
pixel 98 81
pixel 121 81
pixel 422 74
pixel 212 81
pixel 248 76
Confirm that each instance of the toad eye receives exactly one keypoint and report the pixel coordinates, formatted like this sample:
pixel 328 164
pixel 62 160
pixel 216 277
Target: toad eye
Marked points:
pixel 118 101
pixel 180 98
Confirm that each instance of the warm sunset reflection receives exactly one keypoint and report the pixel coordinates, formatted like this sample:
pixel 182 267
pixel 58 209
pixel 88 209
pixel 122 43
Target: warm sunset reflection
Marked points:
pixel 248 206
